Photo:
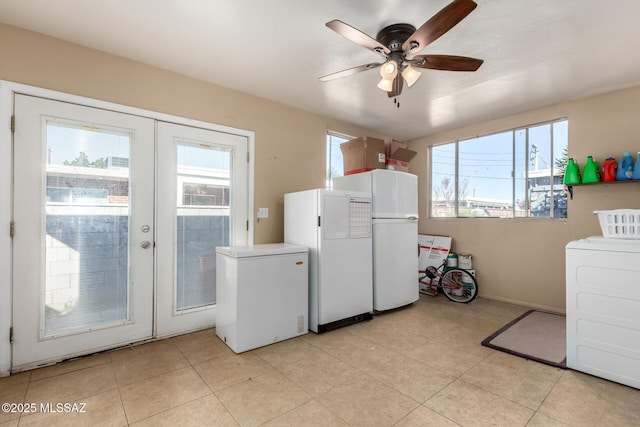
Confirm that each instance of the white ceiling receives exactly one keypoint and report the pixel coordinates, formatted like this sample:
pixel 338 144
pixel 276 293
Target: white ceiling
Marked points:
pixel 536 52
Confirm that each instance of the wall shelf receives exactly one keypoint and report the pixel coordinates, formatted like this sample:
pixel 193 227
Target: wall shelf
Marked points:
pixel 570 187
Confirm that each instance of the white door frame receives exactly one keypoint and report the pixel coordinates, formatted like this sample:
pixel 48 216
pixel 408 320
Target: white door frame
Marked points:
pixel 169 320
pixel 7 90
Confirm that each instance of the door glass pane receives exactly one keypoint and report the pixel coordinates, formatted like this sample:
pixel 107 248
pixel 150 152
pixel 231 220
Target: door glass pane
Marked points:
pixel 203 221
pixel 87 225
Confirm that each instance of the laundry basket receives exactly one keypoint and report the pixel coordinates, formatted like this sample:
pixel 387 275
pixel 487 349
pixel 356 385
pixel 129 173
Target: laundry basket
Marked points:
pixel 620 223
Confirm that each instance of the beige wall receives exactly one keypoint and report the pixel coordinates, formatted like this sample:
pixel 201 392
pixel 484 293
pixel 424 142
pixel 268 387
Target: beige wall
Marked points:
pixel 516 260
pixel 523 260
pixel 289 143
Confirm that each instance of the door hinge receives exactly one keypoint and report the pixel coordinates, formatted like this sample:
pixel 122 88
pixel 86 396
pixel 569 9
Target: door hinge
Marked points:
pixel 318 220
pixel 13 123
pixel 11 334
pixel 248 157
pixel 12 229
pixel 247 225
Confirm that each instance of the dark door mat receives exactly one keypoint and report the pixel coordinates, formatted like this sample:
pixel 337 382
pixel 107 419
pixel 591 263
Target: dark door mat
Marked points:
pixel 535 335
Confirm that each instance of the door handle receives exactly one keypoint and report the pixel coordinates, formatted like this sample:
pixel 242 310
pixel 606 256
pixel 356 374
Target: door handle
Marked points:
pixel 145 244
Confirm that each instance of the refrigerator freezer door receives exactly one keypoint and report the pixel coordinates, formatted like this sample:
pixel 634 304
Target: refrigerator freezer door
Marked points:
pixel 335 216
pixel 395 194
pixel 358 182
pixel 395 255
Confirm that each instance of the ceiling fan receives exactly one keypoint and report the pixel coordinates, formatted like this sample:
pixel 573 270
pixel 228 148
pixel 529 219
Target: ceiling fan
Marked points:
pixel 399 43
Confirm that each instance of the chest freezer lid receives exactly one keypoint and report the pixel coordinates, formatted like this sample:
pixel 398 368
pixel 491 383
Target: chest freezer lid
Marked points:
pixel 261 250
pixel 599 243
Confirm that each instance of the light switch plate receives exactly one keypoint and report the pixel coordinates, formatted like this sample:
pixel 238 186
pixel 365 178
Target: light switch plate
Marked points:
pixel 263 212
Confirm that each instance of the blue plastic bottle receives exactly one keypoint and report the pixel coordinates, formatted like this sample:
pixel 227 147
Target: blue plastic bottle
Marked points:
pixel 625 167
pixel 636 169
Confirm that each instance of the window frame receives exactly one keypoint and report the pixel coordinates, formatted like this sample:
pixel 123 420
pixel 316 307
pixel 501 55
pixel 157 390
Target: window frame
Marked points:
pixel 553 171
pixel 328 163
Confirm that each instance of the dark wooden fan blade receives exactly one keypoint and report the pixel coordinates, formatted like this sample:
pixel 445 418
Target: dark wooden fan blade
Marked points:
pixel 447 62
pixel 439 24
pixel 398 83
pixel 349 72
pixel 357 36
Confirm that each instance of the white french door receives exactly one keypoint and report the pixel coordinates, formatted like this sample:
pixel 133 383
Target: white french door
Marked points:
pixel 202 204
pixel 83 210
pixel 117 218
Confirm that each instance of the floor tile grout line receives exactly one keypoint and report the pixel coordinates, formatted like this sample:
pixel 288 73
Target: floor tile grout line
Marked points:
pixel 124 411
pixel 312 398
pixel 329 409
pixel 179 406
pixel 549 393
pixel 507 398
pixel 116 385
pixel 349 364
pixel 119 384
pixel 215 394
pixel 290 410
pixel 24 397
pixel 485 390
pixel 67 372
pixel 429 409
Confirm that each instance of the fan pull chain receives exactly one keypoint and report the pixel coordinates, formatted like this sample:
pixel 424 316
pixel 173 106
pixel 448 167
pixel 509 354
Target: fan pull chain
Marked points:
pixel 395 101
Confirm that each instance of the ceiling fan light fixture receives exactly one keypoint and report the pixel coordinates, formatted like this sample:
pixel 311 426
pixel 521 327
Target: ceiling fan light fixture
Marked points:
pixel 411 75
pixel 398 43
pixel 389 70
pixel 386 85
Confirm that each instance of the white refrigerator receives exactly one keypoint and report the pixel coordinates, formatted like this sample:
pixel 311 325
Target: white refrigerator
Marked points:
pixel 336 227
pixel 394 198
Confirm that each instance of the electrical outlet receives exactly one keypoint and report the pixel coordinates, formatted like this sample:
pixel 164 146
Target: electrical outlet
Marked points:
pixel 263 212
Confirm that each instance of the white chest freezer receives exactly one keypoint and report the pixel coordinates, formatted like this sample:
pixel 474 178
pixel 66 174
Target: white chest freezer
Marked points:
pixel 603 308
pixel 262 294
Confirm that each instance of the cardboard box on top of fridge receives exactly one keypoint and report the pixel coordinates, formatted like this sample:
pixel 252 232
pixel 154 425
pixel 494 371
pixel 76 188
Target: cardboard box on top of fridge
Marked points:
pixel 398 156
pixel 363 154
pixel 434 250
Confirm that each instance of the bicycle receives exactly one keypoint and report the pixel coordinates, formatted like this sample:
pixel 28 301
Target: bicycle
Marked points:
pixel 456 283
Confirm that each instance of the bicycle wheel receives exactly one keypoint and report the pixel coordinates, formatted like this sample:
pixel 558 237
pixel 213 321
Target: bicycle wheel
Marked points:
pixel 458 285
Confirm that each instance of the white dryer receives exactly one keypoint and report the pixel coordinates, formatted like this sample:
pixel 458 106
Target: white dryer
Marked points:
pixel 603 308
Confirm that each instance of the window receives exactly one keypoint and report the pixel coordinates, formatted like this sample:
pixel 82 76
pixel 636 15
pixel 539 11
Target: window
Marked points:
pixel 512 174
pixel 335 167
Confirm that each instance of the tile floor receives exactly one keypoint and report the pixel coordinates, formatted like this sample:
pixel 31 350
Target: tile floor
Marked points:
pixel 422 365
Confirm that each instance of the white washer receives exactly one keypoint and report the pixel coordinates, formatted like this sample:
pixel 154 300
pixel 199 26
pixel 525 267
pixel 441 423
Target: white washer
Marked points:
pixel 603 308
pixel 262 294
